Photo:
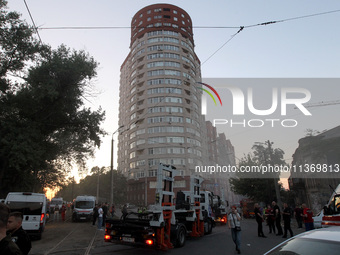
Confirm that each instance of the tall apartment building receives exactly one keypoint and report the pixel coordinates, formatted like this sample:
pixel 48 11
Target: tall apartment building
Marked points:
pixel 160 105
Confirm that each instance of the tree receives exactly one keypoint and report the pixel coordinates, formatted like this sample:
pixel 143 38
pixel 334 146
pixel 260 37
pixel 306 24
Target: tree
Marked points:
pixel 257 186
pixel 45 127
pixel 88 186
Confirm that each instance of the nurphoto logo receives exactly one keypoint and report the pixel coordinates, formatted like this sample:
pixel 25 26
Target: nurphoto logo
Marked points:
pixel 265 103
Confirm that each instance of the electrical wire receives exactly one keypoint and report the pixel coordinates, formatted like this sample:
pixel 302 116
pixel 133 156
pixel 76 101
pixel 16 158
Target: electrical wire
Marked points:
pixel 241 28
pixel 196 27
pixel 34 26
pixel 268 23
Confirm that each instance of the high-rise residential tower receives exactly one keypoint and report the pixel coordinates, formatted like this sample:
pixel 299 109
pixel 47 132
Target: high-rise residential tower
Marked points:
pixel 160 105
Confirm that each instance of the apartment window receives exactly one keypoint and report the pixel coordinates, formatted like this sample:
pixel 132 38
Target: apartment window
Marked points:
pixel 171 109
pixel 152 173
pixel 163 47
pixel 164 72
pixel 140 141
pixel 141 162
pixel 155 100
pixel 175 12
pixel 175 19
pixel 163 63
pixel 165 119
pixel 164 90
pixel 133 90
pixel 162 32
pixel 141 131
pixel 132 145
pixel 171 129
pixel 164 81
pixel 163 55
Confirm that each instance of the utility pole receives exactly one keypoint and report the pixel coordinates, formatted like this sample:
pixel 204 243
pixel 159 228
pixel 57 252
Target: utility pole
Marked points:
pixel 276 185
pixel 111 168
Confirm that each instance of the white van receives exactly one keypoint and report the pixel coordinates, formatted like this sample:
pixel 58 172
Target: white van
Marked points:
pixel 83 208
pixel 56 201
pixel 33 208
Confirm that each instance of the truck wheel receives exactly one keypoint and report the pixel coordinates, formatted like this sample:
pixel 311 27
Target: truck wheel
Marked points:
pixel 180 236
pixel 208 227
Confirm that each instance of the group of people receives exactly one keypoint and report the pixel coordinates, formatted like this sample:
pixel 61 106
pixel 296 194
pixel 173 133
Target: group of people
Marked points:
pixel 100 213
pixel 273 216
pixel 13 239
pixel 57 211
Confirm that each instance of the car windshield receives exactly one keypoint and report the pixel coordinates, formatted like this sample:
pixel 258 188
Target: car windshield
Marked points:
pixel 304 246
pixel 26 208
pixel 57 202
pixel 84 204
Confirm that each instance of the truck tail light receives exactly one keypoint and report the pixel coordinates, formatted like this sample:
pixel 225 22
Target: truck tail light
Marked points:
pixel 107 237
pixel 42 216
pixel 149 242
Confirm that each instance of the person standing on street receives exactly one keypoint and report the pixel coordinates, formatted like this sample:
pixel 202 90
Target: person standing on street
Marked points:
pixel 112 210
pixel 270 219
pixel 277 215
pixel 259 220
pixel 298 215
pixel 100 217
pixel 56 213
pixel 105 211
pixel 95 215
pixel 7 246
pixel 18 235
pixel 286 215
pixel 307 216
pixel 124 211
pixel 63 212
pixel 234 224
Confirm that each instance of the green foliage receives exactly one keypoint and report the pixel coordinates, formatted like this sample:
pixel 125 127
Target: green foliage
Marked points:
pixel 44 125
pixel 255 186
pixel 88 186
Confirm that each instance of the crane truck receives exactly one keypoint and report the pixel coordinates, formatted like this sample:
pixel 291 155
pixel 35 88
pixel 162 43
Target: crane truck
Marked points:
pixel 167 223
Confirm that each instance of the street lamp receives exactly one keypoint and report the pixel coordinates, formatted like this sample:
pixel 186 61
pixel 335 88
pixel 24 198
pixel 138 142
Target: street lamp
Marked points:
pixel 112 145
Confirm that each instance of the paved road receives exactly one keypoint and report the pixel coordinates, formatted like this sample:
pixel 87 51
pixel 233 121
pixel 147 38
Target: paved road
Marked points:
pixel 82 238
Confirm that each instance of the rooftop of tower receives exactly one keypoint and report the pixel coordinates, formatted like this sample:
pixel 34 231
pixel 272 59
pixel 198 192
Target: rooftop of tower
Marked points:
pixel 161 16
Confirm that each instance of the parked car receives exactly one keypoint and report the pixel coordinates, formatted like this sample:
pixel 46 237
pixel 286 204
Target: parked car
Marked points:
pixel 318 219
pixel 314 242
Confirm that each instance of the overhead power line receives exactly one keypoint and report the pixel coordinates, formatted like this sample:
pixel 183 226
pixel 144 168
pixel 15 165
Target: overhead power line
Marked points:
pixel 196 27
pixel 34 26
pixel 241 28
pixel 268 23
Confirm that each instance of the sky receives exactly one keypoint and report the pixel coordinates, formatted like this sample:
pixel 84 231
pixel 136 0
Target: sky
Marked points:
pixel 296 48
